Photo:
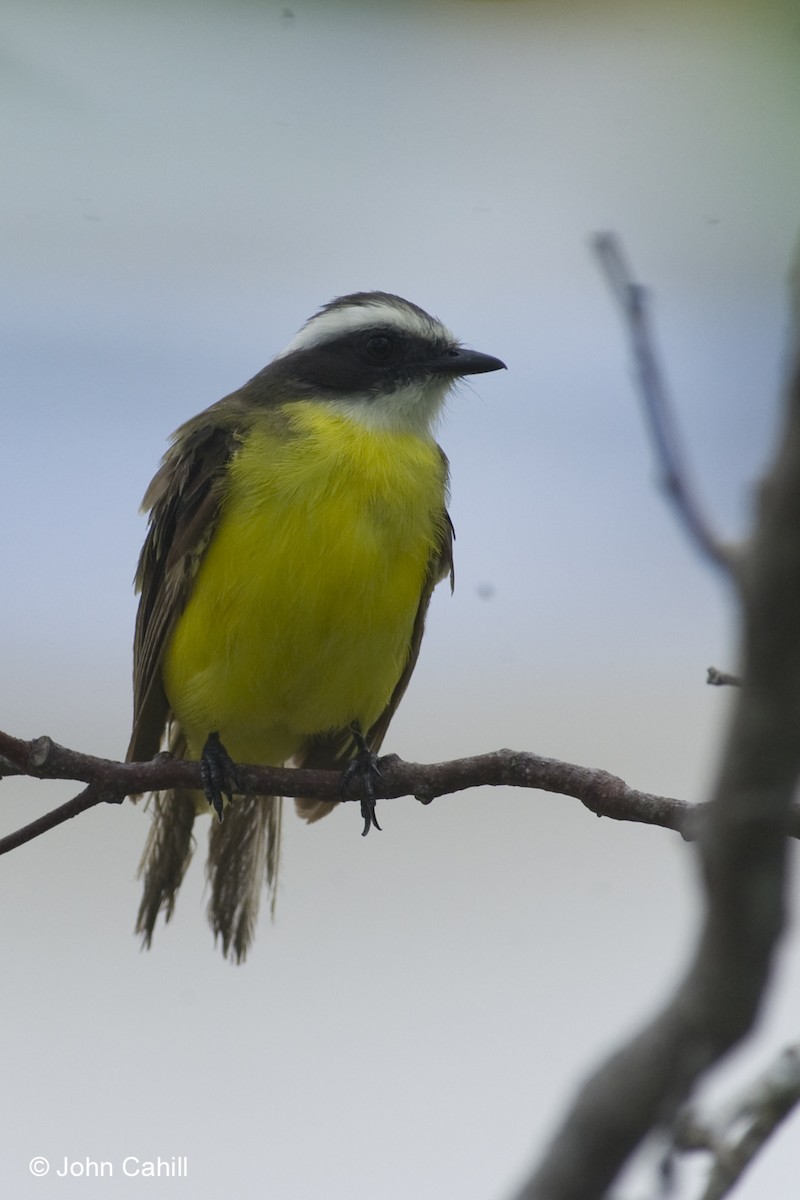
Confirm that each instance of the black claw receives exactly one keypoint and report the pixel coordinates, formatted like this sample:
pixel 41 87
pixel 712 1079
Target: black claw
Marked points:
pixel 363 770
pixel 370 820
pixel 218 773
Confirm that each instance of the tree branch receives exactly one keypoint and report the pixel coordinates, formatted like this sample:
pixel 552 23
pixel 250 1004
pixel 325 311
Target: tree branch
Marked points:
pixel 604 794
pixel 742 843
pixel 736 1134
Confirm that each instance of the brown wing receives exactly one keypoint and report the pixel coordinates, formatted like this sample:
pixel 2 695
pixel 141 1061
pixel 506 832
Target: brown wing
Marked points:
pixel 329 753
pixel 184 501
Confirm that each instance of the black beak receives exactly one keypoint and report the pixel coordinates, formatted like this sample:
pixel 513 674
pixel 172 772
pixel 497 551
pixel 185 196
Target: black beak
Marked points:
pixel 460 361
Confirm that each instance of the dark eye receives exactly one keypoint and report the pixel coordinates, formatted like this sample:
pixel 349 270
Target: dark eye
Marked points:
pixel 381 349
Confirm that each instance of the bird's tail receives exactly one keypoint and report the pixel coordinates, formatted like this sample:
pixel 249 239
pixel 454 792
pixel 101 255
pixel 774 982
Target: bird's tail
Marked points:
pixel 167 853
pixel 242 855
pixel 243 852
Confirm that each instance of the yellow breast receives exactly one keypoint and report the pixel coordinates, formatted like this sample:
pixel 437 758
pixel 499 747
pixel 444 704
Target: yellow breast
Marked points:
pixel 301 613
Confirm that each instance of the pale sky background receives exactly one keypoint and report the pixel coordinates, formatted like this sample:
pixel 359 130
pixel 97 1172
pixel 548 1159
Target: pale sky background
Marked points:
pixel 183 185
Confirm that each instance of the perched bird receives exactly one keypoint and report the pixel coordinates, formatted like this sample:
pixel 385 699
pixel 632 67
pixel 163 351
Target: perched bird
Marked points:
pixel 297 530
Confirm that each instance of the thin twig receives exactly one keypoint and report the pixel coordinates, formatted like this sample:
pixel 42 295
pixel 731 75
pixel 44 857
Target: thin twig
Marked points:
pixel 717 678
pixel 85 800
pixel 652 391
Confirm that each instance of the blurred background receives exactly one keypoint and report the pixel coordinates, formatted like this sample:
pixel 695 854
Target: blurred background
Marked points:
pixel 184 183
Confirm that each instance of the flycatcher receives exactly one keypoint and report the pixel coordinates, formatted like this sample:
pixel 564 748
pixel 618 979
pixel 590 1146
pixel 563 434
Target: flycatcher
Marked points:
pixel 297 530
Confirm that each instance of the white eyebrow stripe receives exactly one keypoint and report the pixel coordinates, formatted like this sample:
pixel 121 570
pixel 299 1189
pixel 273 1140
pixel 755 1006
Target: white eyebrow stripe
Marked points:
pixel 333 323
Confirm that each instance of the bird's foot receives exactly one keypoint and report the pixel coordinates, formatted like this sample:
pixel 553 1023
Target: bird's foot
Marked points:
pixel 218 773
pixel 361 775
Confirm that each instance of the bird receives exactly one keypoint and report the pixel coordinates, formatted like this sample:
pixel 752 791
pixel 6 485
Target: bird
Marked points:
pixel 296 531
